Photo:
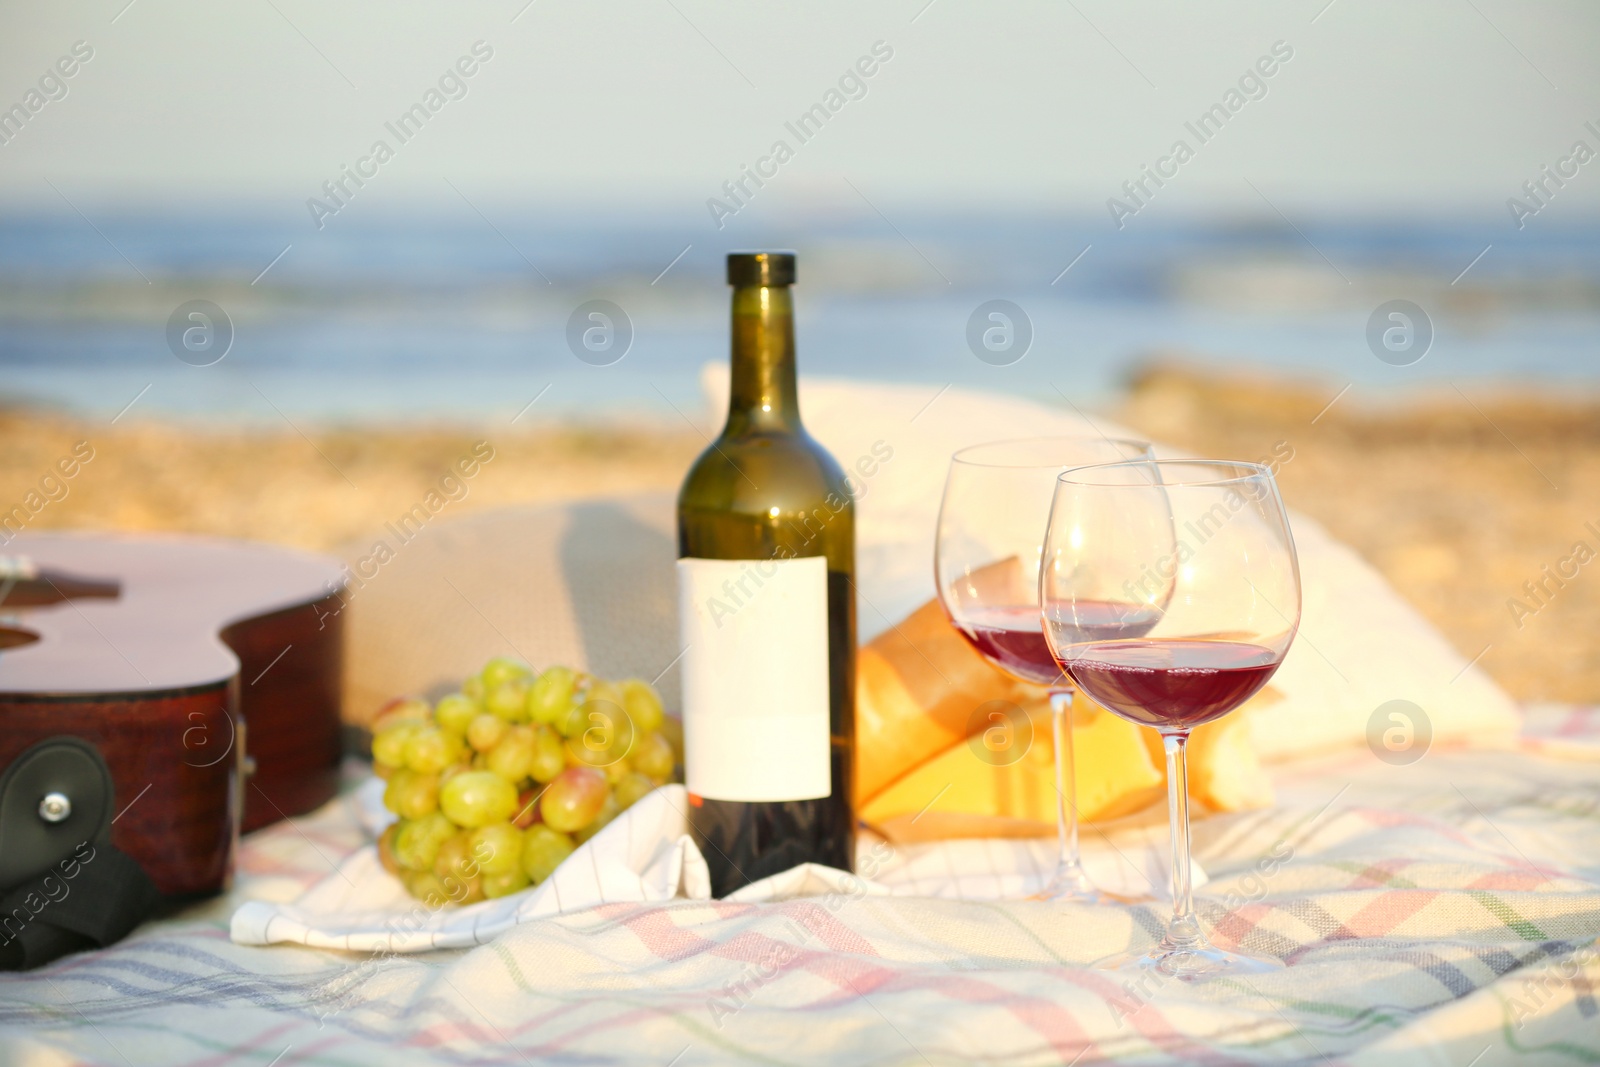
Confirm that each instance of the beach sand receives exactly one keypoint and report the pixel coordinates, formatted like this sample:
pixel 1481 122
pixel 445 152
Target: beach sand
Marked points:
pixel 330 490
pixel 1458 498
pixel 1458 502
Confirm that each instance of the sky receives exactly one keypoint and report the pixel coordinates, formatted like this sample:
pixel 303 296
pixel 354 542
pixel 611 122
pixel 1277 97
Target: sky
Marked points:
pixel 600 109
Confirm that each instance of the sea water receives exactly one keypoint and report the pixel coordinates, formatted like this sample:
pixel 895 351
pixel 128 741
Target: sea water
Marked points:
pixel 443 319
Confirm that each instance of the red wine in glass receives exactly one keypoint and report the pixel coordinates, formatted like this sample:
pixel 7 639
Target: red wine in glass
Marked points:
pixel 1170 684
pixel 987 556
pixel 1210 541
pixel 1013 636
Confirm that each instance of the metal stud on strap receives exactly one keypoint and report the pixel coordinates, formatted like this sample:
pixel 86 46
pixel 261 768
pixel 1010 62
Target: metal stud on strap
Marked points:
pixel 55 807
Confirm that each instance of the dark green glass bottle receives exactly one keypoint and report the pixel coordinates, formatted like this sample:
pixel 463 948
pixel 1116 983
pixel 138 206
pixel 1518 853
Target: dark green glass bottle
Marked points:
pixel 766 540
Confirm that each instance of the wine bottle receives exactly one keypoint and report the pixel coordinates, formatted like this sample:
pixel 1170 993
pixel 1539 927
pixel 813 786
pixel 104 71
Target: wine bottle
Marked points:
pixel 766 608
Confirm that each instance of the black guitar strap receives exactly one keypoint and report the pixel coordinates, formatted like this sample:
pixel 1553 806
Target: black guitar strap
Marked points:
pixel 63 886
pixel 51 915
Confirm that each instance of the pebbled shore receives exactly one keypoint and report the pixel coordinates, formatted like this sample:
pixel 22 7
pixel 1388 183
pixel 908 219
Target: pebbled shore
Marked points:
pixel 330 490
pixel 1458 500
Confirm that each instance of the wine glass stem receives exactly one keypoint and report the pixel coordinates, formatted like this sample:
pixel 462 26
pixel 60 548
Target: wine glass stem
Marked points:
pixel 1066 780
pixel 1184 930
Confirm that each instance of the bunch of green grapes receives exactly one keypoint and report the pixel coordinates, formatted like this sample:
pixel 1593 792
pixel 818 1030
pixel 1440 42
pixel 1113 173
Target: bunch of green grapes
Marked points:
pixel 496 784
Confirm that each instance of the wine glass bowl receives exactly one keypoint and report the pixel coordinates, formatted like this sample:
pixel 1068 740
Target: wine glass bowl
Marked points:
pixel 1196 559
pixel 988 548
pixel 989 542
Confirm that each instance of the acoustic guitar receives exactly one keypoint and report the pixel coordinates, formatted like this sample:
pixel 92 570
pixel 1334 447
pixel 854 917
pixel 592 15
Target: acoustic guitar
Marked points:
pixel 205 672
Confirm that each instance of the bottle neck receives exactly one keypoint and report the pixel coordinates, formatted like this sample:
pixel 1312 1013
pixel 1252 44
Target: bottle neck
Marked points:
pixel 762 394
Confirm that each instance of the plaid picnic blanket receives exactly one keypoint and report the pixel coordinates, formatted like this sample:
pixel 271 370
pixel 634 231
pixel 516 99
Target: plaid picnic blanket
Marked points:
pixel 1442 912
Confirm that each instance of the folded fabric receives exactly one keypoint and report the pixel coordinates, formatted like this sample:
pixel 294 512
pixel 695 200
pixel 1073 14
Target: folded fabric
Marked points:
pixel 646 855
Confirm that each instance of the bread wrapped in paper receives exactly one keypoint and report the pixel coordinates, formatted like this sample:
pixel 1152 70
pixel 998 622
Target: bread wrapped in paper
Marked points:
pixel 919 688
pixel 949 746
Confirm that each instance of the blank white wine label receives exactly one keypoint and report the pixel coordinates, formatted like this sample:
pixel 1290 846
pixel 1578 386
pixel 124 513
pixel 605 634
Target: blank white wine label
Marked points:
pixel 755 677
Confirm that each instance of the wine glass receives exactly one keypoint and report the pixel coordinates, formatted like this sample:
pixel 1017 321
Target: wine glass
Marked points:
pixel 1199 551
pixel 986 565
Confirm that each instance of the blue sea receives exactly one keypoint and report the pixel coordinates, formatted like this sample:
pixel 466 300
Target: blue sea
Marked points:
pixel 452 319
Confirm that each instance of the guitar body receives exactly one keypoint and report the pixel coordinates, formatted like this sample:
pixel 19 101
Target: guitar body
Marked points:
pixel 178 818
pixel 291 707
pixel 208 681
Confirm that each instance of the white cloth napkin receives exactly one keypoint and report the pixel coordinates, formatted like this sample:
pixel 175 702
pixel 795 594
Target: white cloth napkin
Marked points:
pixel 647 855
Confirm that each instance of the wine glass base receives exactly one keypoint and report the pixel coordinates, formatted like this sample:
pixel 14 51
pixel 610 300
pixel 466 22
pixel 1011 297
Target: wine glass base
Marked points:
pixel 1070 895
pixel 1071 886
pixel 1190 964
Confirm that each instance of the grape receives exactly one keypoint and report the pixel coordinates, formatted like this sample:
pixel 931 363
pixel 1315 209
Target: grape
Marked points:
pixel 610 730
pixel 486 731
pixel 639 700
pixel 572 721
pixel 455 857
pixel 653 756
pixel 426 887
pixel 505 883
pixel 548 757
pixel 436 890
pixel 527 809
pixel 574 756
pixel 398 710
pixel 454 773
pixel 579 756
pixel 456 712
pixel 503 669
pixel 478 798
pixel 604 715
pixel 632 788
pixel 672 730
pixel 608 811
pixel 463 890
pixel 573 798
pixel 543 849
pixel 430 749
pixel 410 794
pixel 386 848
pixel 389 744
pixel 509 700
pixel 606 737
pixel 551 694
pixel 512 759
pixel 416 844
pixel 616 771
pixel 497 847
